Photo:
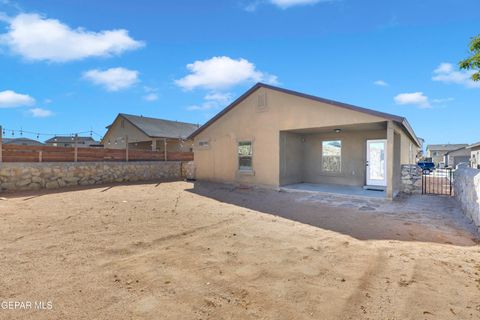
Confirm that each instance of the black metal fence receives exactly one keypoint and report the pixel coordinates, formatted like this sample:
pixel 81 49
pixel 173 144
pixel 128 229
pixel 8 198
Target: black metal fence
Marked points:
pixel 438 181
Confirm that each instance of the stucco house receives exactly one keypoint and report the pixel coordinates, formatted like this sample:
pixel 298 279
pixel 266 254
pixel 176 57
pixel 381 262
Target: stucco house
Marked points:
pixel 144 133
pixel 70 141
pixel 275 137
pixel 454 157
pixel 437 151
pixel 474 155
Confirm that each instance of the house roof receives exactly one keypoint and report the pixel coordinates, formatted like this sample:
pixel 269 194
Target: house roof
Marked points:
pixel 446 147
pixel 21 141
pixel 452 151
pixel 160 128
pixel 474 145
pixel 401 120
pixel 68 139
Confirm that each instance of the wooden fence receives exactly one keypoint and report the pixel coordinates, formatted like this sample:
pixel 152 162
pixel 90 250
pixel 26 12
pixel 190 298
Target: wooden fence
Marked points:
pixel 16 153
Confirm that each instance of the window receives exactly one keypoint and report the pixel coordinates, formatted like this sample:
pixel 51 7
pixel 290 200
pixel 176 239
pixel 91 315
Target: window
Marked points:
pixel 332 156
pixel 203 144
pixel 245 155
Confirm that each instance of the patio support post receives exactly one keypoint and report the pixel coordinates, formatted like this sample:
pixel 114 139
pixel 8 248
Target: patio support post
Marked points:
pixel 390 158
pixel 154 145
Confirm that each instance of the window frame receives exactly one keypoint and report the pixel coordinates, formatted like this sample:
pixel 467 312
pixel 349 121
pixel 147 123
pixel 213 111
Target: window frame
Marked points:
pixel 245 170
pixel 203 144
pixel 323 156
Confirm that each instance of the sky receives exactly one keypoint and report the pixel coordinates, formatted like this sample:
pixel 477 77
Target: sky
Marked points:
pixel 72 66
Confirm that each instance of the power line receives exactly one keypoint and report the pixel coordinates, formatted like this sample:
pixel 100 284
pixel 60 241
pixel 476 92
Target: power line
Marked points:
pixel 21 132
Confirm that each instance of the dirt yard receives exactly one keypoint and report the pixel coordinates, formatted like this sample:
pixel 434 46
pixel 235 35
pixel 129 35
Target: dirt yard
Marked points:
pixel 175 251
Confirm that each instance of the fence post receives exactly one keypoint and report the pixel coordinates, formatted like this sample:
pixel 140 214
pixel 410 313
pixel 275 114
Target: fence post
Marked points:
pixel 76 147
pixel 1 155
pixel 40 156
pixel 165 148
pixel 126 148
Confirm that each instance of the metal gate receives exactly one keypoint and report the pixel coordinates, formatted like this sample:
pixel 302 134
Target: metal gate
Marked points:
pixel 438 181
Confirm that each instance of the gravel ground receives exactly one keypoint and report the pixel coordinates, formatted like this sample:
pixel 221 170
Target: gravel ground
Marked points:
pixel 177 251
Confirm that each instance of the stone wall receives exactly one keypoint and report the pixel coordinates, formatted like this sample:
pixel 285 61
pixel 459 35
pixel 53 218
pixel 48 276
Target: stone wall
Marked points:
pixel 411 179
pixel 35 176
pixel 188 170
pixel 467 192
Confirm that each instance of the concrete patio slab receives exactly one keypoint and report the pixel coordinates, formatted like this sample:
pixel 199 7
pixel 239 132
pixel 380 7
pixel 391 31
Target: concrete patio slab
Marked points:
pixel 357 192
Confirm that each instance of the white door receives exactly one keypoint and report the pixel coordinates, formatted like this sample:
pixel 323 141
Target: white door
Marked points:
pixel 376 163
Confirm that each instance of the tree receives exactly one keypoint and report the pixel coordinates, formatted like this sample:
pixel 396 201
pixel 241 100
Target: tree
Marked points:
pixel 473 62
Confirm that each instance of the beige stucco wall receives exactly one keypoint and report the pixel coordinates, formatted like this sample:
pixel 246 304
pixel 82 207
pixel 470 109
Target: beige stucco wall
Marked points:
pixel 353 157
pixel 292 148
pixel 117 134
pixel 246 121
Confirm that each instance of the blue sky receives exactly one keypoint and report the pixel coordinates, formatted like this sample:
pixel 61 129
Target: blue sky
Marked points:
pixel 71 66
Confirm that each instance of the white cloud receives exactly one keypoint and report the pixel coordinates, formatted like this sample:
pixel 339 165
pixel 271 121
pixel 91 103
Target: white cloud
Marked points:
pixel 221 73
pixel 442 100
pixel 219 97
pixel 151 97
pixel 415 98
pixel 380 83
pixel 446 73
pixel 36 38
pixel 252 6
pixel 113 79
pixel 284 4
pixel 151 94
pixel 213 100
pixel 40 113
pixel 11 99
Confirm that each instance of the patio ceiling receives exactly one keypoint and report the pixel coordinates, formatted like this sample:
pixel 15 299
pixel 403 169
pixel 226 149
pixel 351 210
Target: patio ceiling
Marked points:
pixel 345 128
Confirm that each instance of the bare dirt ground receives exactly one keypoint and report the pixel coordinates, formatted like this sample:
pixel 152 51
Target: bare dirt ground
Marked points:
pixel 172 251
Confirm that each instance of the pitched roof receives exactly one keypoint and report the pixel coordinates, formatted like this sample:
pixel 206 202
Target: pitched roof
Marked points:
pixel 21 141
pixel 446 147
pixel 68 139
pixel 474 145
pixel 161 128
pixel 401 120
pixel 455 150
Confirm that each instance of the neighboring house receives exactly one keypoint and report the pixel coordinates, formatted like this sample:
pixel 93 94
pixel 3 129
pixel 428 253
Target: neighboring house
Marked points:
pixel 69 141
pixel 437 151
pixel 21 142
pixel 452 158
pixel 144 133
pixel 275 137
pixel 474 155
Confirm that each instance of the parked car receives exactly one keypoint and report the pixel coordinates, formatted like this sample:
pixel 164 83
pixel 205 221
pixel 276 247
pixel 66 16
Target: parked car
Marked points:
pixel 426 166
pixel 462 165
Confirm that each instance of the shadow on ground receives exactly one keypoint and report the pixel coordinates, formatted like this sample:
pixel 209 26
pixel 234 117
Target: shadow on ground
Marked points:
pixel 435 219
pixel 32 194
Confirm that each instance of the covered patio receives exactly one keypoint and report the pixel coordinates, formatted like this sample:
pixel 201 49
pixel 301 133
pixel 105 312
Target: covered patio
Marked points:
pixel 361 160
